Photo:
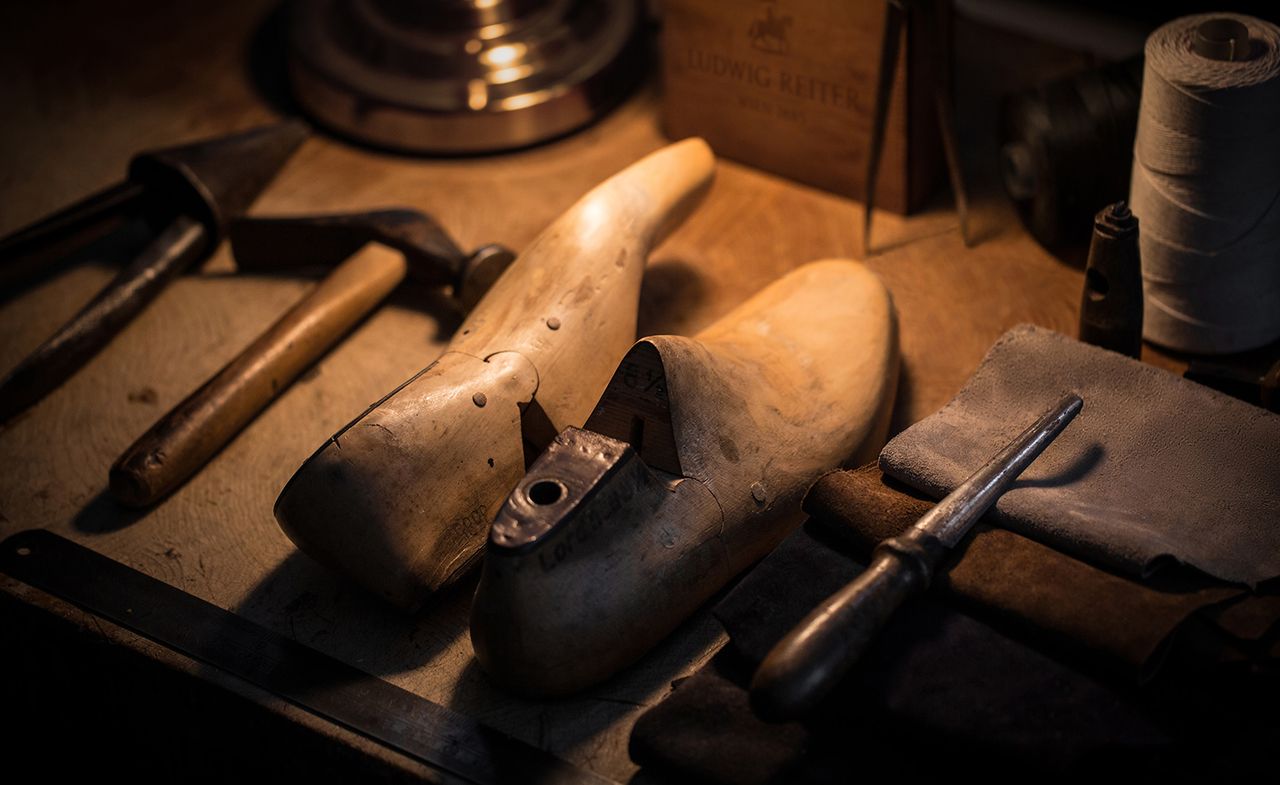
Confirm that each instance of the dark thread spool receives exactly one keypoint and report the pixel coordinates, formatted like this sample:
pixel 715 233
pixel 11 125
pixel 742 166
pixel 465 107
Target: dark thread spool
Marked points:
pixel 1205 174
pixel 1111 308
pixel 1067 150
pixel 1222 39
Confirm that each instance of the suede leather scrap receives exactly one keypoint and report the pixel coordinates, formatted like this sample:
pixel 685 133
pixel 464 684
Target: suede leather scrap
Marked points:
pixel 1155 468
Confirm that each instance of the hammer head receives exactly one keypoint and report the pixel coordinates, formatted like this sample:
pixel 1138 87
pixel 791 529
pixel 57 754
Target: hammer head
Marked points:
pixel 325 240
pixel 215 180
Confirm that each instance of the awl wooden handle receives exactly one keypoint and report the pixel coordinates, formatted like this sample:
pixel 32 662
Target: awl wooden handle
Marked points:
pixel 814 656
pixel 189 435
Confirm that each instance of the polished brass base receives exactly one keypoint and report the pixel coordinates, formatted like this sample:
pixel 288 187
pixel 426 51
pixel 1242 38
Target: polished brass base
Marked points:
pixel 457 76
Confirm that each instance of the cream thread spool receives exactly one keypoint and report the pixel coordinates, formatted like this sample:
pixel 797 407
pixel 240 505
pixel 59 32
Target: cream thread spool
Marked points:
pixel 1206 183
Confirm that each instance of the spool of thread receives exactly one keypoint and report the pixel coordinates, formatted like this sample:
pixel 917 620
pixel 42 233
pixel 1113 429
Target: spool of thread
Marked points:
pixel 1206 183
pixel 1067 151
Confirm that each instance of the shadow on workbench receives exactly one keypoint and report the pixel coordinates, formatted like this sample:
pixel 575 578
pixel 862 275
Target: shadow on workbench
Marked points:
pixel 672 289
pixel 80 702
pixel 421 652
pixel 318 608
pixel 103 515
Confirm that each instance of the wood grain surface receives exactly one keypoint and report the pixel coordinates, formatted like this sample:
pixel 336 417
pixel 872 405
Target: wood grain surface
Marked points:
pixel 87 84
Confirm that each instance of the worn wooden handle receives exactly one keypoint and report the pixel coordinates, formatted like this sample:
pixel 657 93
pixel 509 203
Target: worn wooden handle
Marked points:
pixel 806 664
pixel 189 435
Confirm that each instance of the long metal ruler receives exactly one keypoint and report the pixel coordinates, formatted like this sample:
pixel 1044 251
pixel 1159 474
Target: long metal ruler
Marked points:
pixel 327 687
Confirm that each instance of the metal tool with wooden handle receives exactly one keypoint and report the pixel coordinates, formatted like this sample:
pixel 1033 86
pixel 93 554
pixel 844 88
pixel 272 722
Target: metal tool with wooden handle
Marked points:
pixel 691 467
pixel 803 667
pixel 193 192
pixel 401 498
pixel 387 246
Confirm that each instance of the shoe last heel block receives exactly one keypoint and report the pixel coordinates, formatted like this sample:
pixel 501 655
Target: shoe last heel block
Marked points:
pixel 691 467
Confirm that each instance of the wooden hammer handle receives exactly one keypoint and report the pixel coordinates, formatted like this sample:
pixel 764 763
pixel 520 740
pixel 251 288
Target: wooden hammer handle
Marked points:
pixel 188 436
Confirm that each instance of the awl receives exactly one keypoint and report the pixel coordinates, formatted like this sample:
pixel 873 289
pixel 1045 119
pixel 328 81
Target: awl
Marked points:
pixel 803 667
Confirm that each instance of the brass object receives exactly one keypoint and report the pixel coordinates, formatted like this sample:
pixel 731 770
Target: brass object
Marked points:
pixel 459 76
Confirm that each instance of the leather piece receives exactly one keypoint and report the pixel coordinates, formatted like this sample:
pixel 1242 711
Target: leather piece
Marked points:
pixel 1155 469
pixel 937 680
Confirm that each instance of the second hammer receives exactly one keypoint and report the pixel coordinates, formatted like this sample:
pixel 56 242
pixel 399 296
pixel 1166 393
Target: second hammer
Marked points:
pixel 379 249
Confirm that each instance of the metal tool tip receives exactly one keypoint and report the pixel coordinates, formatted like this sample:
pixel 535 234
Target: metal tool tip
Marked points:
pixel 1062 413
pixel 1071 402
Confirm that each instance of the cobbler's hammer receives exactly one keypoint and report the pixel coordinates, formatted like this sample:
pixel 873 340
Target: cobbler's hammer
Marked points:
pixel 376 251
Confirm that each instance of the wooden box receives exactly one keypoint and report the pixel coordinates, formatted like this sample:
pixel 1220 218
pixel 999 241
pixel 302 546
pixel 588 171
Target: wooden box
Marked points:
pixel 789 86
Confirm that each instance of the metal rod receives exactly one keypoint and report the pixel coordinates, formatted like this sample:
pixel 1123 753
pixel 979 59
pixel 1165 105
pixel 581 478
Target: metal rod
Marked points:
pixel 894 14
pixel 945 105
pixel 26 252
pixel 98 322
pixel 806 664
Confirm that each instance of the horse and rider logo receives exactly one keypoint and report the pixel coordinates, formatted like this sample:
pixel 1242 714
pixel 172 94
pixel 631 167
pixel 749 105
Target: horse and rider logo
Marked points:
pixel 769 33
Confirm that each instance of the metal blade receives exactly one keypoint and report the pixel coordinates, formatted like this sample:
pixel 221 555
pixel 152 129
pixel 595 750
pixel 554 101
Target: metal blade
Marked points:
pixel 332 689
pixel 894 15
pixel 945 104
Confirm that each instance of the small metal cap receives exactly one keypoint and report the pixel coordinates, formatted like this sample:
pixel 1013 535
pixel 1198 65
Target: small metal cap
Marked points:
pixel 480 271
pixel 1115 220
pixel 1222 38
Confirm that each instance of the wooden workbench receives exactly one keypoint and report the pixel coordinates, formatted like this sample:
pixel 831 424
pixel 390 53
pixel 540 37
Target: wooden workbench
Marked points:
pixel 90 84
